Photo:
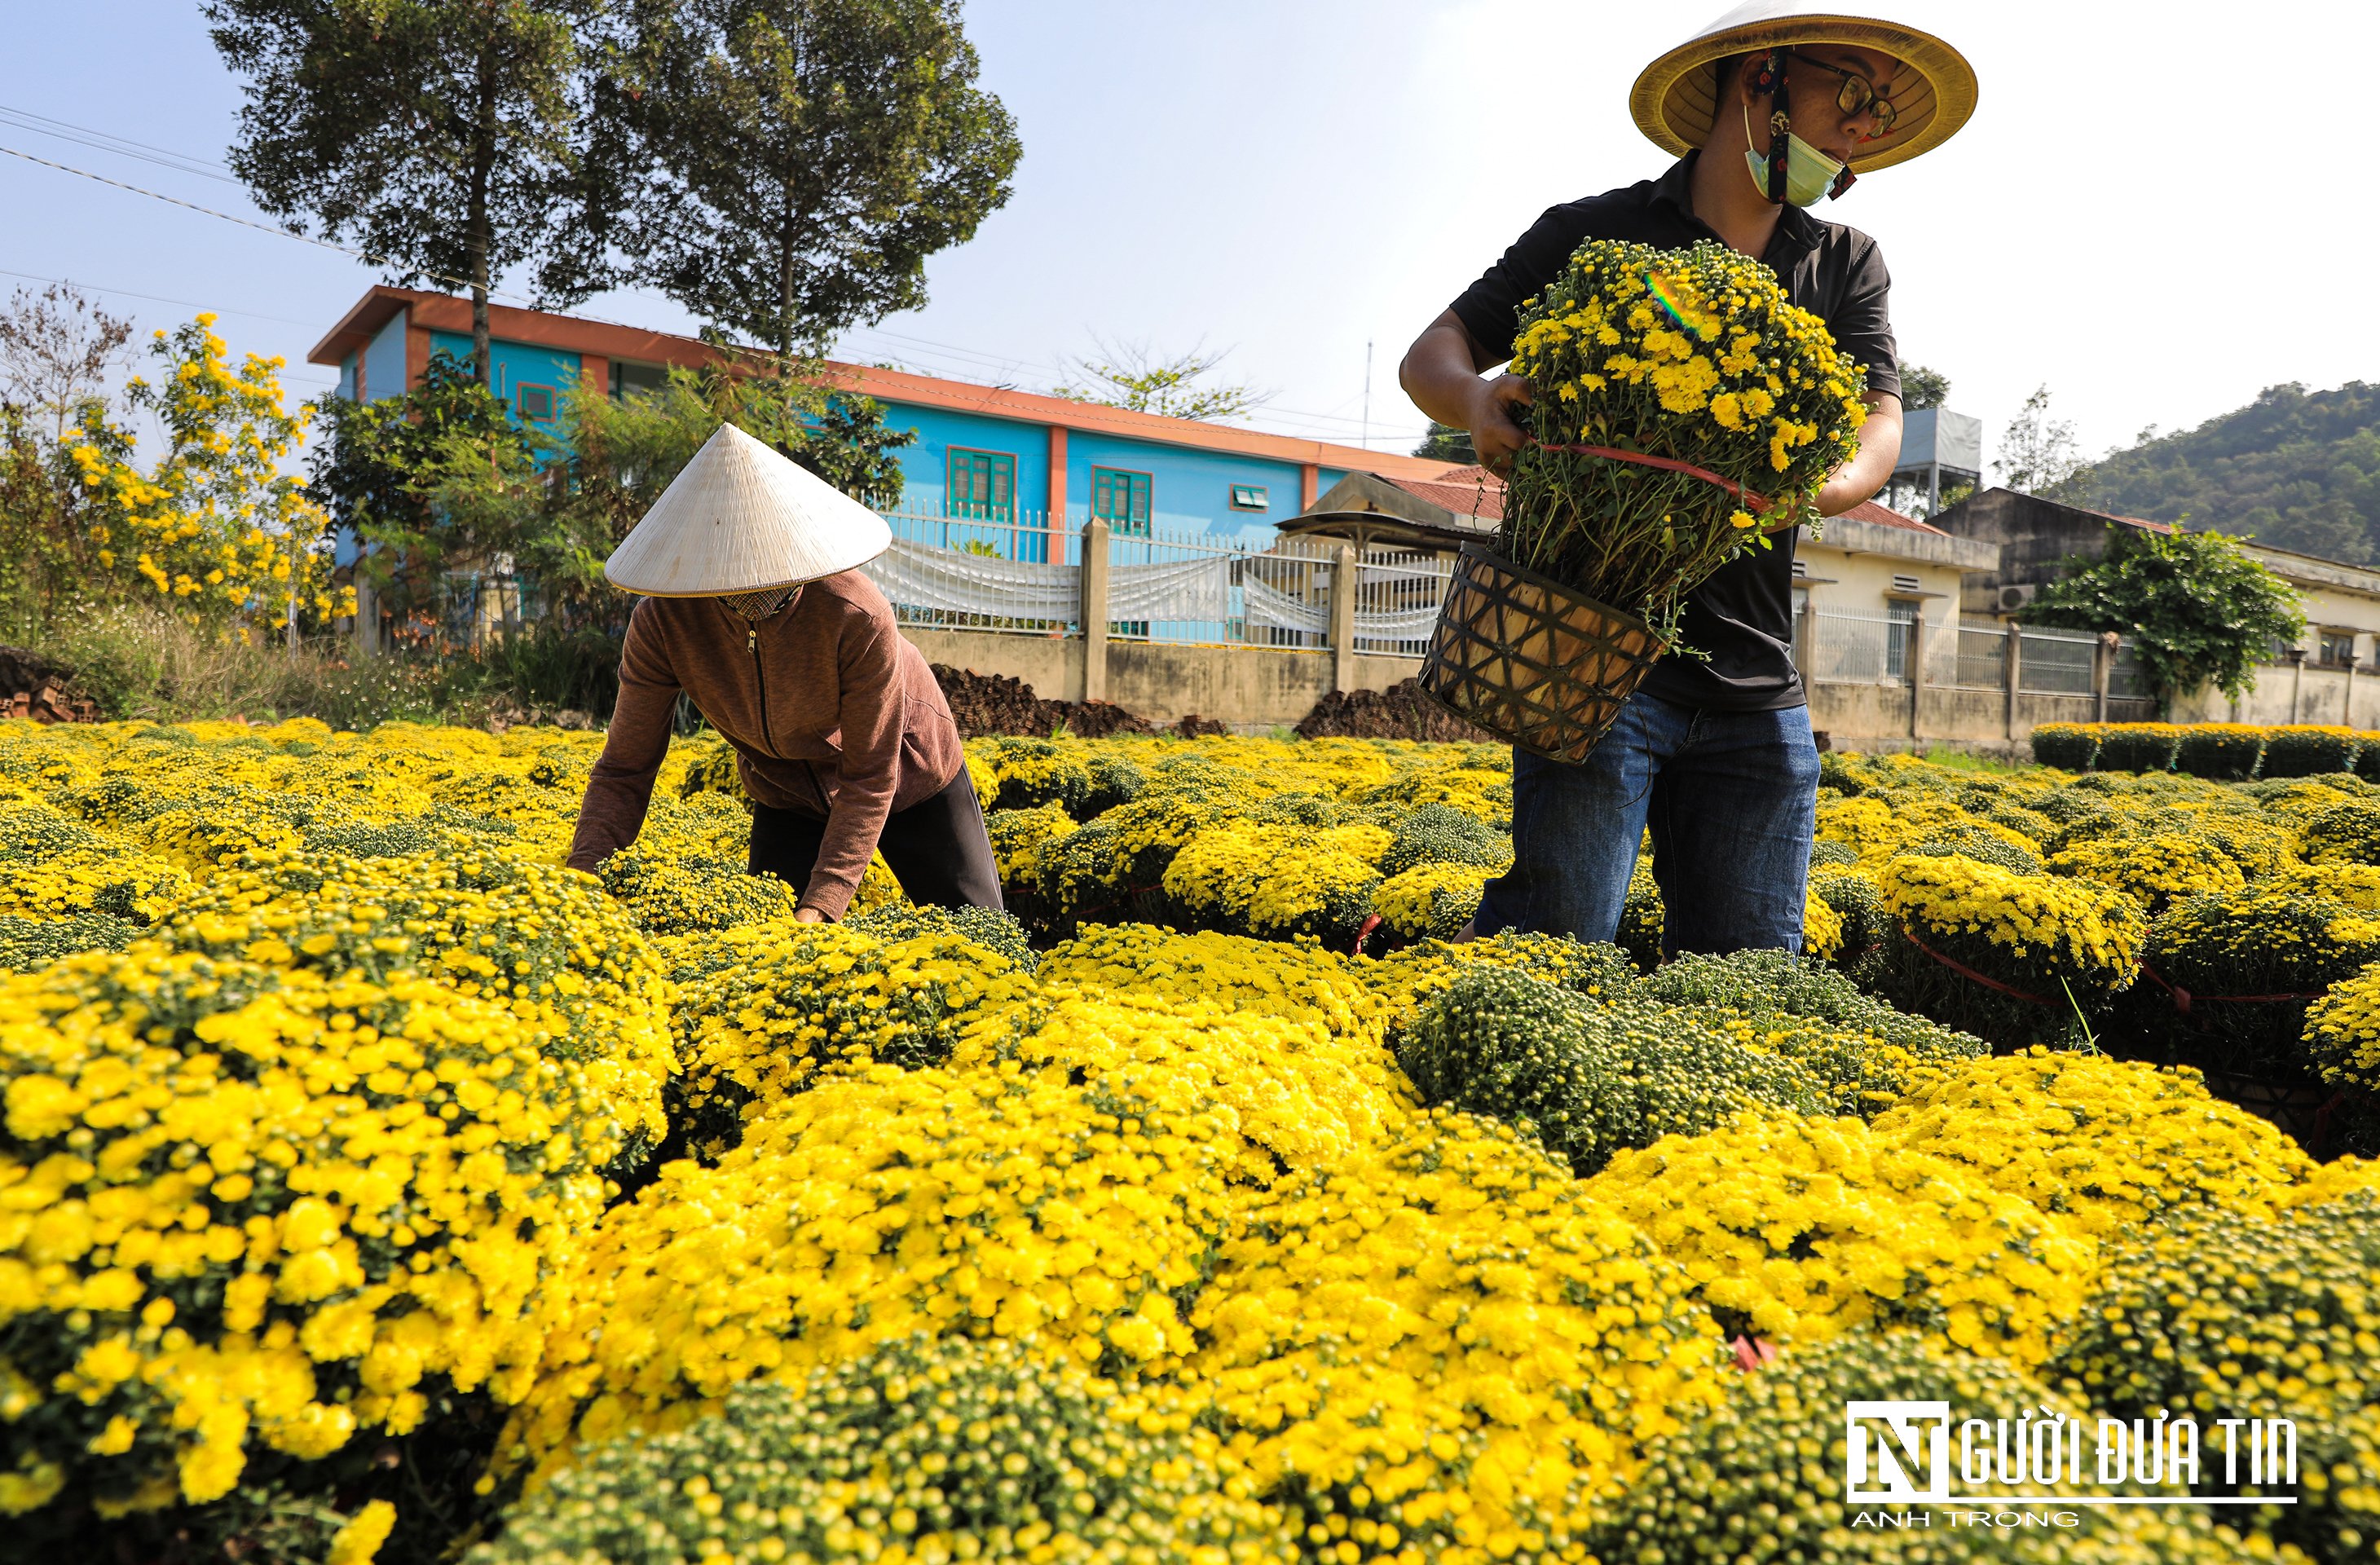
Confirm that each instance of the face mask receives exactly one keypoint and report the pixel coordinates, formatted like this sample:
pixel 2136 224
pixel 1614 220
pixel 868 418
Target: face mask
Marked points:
pixel 1809 173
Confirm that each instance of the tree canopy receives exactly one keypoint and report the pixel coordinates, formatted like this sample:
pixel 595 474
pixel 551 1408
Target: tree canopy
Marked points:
pixel 1135 376
pixel 2201 610
pixel 801 159
pixel 437 135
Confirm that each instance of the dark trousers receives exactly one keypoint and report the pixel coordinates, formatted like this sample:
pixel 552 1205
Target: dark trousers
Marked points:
pixel 936 848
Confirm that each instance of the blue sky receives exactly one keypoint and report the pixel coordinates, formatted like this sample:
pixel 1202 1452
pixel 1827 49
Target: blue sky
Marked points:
pixel 2151 223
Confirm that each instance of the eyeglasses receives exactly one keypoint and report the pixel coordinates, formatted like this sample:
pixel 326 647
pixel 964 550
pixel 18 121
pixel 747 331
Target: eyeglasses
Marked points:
pixel 1857 93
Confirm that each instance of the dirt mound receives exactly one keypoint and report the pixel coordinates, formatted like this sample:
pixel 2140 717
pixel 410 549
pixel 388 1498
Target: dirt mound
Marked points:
pixel 993 703
pixel 1398 713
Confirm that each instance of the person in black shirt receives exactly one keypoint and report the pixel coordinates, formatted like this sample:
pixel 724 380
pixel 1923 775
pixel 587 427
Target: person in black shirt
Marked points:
pixel 1772 108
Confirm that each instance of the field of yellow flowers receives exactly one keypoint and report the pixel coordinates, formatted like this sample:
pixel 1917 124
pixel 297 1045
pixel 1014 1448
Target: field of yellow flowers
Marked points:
pixel 373 1188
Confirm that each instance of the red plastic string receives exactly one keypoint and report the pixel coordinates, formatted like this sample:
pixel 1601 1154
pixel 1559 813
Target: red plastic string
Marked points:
pixel 1371 922
pixel 1667 463
pixel 2183 997
pixel 1966 972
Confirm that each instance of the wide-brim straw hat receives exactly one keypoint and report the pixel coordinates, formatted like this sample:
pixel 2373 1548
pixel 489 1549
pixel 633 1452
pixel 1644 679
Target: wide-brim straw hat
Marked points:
pixel 1675 98
pixel 741 517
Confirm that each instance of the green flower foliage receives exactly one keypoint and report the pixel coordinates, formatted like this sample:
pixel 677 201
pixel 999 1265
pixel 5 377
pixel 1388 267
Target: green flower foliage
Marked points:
pixel 1438 834
pixel 949 1449
pixel 2220 1316
pixel 1591 1079
pixel 986 927
pixel 1772 986
pixel 1758 1480
pixel 27 944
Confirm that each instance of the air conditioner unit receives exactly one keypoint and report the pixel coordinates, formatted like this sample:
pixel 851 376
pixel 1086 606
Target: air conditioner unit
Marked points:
pixel 2017 595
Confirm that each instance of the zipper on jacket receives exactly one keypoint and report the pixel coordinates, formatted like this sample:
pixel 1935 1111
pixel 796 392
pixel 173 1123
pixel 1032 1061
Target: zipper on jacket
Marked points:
pixel 752 645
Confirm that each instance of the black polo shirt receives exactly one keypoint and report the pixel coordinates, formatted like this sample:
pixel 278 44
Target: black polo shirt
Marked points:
pixel 1743 616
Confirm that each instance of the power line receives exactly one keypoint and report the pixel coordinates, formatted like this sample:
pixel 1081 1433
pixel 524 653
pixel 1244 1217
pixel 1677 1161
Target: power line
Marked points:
pixel 156 298
pixel 107 142
pixel 370 258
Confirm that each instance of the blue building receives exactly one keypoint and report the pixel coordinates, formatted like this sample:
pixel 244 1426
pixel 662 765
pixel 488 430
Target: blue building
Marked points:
pixel 993 461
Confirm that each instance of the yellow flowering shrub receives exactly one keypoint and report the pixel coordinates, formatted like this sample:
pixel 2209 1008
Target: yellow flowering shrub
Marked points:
pixel 543 941
pixel 2110 1144
pixel 1017 834
pixel 1293 1094
pixel 2152 870
pixel 1799 1229
pixel 1274 880
pixel 799 998
pixel 1430 899
pixel 1441 1349
pixel 2028 931
pixel 2343 1031
pixel 1297 981
pixel 246 1208
pixel 922 1449
pixel 871 1207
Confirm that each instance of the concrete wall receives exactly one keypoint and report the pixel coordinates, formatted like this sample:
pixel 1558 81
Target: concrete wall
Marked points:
pixel 1248 686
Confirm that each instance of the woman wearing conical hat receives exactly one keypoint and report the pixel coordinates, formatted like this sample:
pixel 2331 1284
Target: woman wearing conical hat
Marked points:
pixel 753 606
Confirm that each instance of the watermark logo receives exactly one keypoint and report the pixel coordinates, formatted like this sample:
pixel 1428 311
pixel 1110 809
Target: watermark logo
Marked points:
pixel 1912 1458
pixel 1896 1453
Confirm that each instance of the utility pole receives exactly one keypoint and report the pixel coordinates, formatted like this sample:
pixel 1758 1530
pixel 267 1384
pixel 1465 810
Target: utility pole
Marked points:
pixel 1368 395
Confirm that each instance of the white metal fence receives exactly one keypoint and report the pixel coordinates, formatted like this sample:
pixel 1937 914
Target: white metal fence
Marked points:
pixel 1191 588
pixel 2057 662
pixel 1982 658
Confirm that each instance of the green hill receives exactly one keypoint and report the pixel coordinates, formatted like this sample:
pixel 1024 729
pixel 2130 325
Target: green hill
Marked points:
pixel 2295 468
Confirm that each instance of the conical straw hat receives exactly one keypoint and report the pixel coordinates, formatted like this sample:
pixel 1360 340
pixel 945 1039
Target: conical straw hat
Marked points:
pixel 740 518
pixel 1677 95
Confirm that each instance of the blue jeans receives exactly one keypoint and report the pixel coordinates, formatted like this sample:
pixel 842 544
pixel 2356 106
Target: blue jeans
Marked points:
pixel 1731 801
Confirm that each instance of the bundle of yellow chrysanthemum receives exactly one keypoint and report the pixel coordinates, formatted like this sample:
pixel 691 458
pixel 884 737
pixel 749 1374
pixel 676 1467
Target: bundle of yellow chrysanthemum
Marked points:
pixel 2110 1143
pixel 967 1203
pixel 254 1209
pixel 1694 356
pixel 1296 1094
pixel 794 998
pixel 1440 1350
pixel 1802 1228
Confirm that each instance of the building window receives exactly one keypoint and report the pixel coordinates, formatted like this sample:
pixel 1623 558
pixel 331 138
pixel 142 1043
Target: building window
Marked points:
pixel 1121 499
pixel 637 380
pixel 1248 497
pixel 537 403
pixel 982 486
pixel 1900 624
pixel 2337 648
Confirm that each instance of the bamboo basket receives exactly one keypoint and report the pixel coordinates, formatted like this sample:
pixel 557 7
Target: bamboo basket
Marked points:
pixel 1531 660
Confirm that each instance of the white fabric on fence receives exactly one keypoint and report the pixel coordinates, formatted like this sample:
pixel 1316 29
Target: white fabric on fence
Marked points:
pixel 1269 608
pixel 1172 590
pixel 1397 624
pixel 920 575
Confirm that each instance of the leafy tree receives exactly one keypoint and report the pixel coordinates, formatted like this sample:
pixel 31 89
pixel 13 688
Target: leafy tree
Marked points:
pixel 2295 468
pixel 58 350
pixel 559 504
pixel 1921 387
pixel 215 531
pixel 2203 609
pixel 1446 443
pixel 2038 454
pixel 805 157
pixel 439 135
pixel 1131 375
pixel 369 475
